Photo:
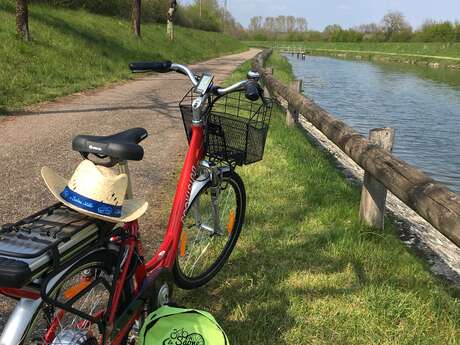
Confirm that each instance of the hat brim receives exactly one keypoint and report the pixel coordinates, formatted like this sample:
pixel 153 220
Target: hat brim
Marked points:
pixel 132 208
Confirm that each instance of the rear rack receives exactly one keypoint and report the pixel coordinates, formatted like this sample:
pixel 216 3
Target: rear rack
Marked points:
pixel 41 232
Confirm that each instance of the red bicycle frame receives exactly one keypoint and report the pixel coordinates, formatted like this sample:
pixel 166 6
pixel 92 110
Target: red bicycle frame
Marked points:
pixel 117 324
pixel 163 259
pixel 166 254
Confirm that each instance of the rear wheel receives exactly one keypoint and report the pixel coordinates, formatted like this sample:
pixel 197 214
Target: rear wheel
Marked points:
pixel 211 229
pixel 55 326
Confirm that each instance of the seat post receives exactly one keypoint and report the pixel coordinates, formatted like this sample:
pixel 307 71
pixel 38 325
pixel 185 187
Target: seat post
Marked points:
pixel 123 168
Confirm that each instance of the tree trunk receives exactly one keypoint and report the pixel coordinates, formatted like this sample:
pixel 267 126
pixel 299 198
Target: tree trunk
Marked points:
pixel 136 17
pixel 22 20
pixel 170 25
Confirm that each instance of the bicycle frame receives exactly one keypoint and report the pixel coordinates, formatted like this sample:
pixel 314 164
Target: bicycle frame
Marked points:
pixel 145 275
pixel 166 254
pixel 118 326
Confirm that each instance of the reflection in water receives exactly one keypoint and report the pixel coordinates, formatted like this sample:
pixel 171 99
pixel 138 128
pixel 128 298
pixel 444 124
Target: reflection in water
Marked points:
pixel 422 104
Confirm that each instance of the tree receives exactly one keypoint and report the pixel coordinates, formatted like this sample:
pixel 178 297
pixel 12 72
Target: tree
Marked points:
pixel 170 24
pixel 432 31
pixel 371 32
pixel 301 24
pixel 395 24
pixel 290 24
pixel 255 24
pixel 280 24
pixel 22 20
pixel 136 18
pixel 457 31
pixel 280 27
pixel 370 28
pixel 331 30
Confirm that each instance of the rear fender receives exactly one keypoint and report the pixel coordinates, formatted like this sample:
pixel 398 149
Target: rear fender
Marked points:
pixel 23 315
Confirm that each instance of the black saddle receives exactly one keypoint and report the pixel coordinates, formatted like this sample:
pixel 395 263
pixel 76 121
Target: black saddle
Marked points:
pixel 120 146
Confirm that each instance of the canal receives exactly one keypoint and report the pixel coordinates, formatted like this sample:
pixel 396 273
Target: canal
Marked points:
pixel 422 104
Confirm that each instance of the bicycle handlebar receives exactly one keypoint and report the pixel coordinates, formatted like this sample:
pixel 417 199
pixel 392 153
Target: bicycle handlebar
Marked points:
pixel 186 71
pixel 252 89
pixel 160 67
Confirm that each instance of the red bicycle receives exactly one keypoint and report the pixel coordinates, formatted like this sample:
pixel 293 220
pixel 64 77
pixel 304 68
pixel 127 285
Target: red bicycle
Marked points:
pixel 79 280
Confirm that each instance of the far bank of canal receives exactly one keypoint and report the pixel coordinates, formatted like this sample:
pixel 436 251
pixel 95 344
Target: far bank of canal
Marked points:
pixel 422 104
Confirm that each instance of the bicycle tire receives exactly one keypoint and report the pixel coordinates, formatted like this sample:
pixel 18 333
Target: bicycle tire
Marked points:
pixel 101 262
pixel 182 275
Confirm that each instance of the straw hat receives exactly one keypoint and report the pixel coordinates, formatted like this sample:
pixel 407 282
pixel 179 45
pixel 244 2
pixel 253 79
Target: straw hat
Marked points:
pixel 96 191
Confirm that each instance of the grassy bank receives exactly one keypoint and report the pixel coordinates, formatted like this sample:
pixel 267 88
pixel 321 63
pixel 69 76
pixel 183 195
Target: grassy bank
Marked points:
pixel 436 55
pixel 306 272
pixel 75 50
pixel 449 50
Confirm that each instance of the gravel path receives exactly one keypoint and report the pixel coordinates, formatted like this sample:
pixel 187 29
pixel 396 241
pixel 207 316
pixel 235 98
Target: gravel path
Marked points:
pixel 42 135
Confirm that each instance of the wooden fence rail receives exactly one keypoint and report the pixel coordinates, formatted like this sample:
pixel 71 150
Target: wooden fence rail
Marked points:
pixel 431 200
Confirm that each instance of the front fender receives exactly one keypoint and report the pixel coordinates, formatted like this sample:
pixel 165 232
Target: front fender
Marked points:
pixel 197 186
pixel 200 183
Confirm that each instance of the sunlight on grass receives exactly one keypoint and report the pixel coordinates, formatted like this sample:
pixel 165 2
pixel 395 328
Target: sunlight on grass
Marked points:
pixel 72 50
pixel 305 271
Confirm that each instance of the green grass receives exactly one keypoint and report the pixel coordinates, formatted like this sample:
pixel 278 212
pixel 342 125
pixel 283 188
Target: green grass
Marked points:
pixel 282 68
pixel 306 272
pixel 75 50
pixel 447 50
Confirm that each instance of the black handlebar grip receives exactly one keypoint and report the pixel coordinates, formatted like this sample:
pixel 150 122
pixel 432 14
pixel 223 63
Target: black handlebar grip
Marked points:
pixel 160 67
pixel 253 90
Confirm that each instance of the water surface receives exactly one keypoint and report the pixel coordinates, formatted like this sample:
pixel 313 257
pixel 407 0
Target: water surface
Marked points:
pixel 422 104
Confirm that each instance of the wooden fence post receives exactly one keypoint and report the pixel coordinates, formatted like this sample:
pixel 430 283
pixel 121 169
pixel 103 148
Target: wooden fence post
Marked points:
pixel 292 115
pixel 430 199
pixel 374 194
pixel 269 71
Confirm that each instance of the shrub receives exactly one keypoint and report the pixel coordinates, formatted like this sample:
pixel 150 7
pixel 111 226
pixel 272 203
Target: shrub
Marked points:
pixel 432 31
pixel 152 11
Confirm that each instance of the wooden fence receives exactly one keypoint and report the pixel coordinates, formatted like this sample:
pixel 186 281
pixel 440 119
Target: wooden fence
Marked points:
pixel 431 200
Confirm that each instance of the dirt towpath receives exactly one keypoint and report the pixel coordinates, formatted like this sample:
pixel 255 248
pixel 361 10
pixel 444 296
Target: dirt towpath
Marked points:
pixel 42 135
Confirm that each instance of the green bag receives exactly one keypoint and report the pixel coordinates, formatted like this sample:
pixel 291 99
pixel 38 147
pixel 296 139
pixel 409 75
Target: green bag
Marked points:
pixel 179 326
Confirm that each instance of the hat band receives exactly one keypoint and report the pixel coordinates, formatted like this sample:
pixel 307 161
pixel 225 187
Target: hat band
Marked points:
pixel 91 205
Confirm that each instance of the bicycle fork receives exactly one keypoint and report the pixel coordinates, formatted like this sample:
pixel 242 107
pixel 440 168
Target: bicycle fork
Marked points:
pixel 214 175
pixel 216 180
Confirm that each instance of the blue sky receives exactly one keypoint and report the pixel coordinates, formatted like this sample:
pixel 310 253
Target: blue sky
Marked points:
pixel 347 13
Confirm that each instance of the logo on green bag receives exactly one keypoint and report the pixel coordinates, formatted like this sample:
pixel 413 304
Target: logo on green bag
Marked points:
pixel 182 337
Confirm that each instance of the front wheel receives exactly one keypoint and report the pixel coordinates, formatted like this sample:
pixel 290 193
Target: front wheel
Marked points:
pixel 210 231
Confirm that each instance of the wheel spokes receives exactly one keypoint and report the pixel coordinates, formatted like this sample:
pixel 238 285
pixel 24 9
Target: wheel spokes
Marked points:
pixel 202 244
pixel 64 325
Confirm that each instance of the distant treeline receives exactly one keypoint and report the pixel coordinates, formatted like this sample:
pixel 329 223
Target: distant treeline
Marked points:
pixel 393 28
pixel 202 14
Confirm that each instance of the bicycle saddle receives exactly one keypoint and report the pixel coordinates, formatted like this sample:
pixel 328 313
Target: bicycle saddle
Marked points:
pixel 120 146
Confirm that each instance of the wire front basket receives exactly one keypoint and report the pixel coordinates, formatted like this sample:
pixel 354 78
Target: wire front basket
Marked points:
pixel 235 128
